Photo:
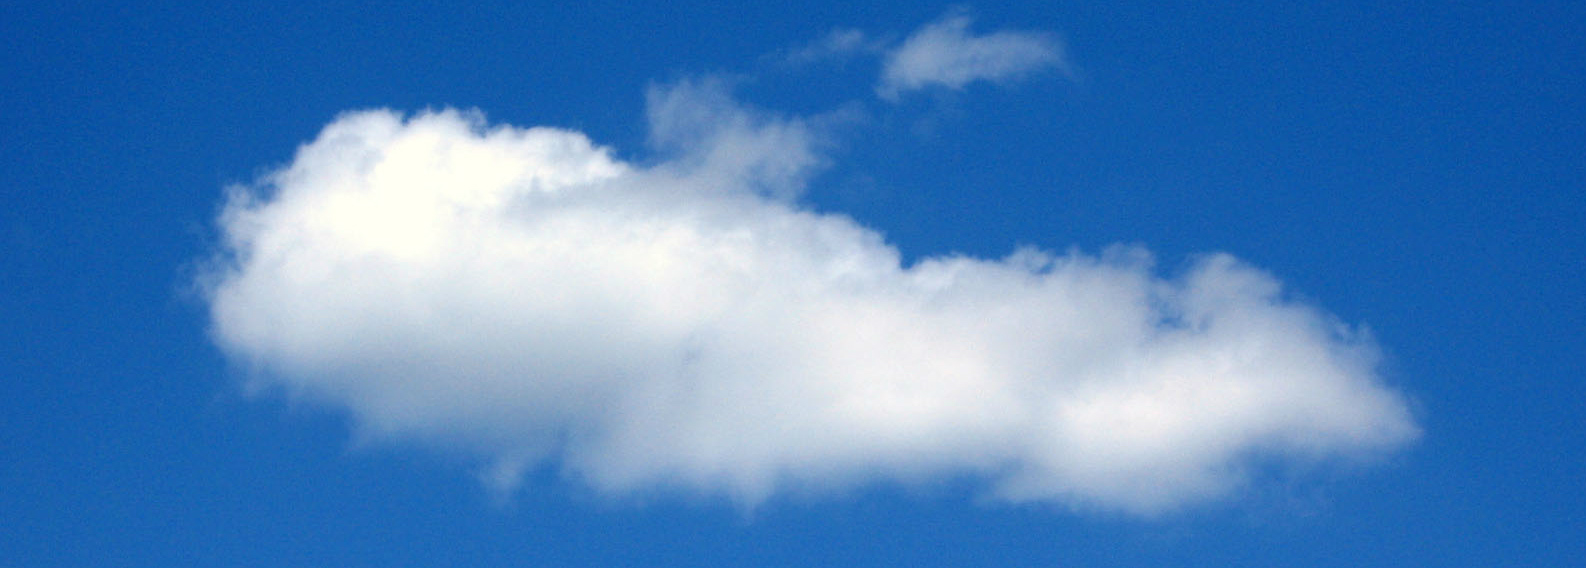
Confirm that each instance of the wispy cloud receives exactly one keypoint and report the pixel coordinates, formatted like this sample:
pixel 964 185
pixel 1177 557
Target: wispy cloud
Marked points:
pixel 522 295
pixel 837 44
pixel 946 54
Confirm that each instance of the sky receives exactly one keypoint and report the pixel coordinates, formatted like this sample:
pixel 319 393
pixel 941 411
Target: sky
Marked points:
pixel 913 284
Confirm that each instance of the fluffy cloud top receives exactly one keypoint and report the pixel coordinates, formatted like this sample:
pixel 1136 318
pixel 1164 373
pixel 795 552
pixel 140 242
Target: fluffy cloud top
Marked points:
pixel 522 295
pixel 945 54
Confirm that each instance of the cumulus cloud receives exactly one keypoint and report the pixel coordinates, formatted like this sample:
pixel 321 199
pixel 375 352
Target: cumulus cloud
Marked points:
pixel 522 295
pixel 946 54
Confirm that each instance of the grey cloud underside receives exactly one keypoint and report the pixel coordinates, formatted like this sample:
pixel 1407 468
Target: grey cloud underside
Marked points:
pixel 522 295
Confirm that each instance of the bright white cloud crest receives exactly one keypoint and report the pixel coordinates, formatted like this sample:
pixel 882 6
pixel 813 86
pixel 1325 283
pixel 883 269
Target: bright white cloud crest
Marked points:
pixel 523 295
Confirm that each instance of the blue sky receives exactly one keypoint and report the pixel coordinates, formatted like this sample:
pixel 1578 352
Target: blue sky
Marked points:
pixel 1411 173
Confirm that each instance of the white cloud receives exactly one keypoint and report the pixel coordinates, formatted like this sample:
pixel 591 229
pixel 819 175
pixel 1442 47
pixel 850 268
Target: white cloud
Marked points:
pixel 945 54
pixel 524 296
pixel 835 45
